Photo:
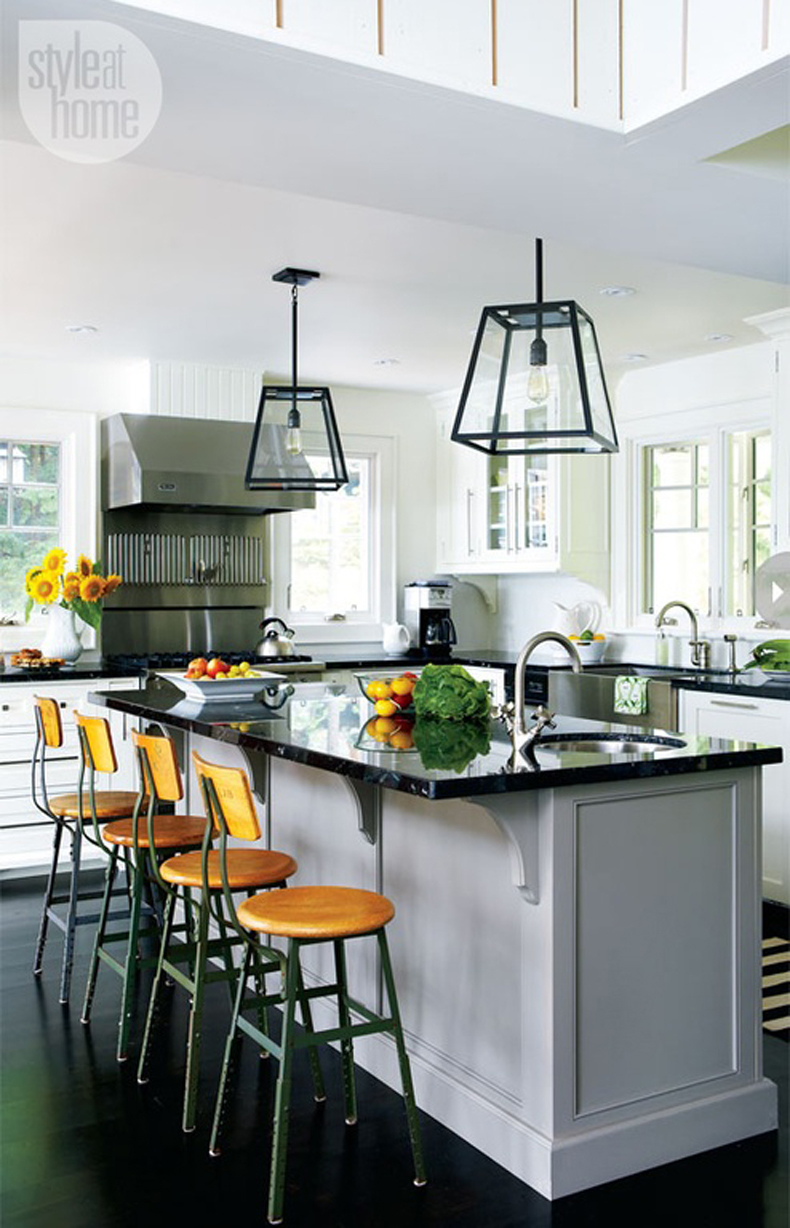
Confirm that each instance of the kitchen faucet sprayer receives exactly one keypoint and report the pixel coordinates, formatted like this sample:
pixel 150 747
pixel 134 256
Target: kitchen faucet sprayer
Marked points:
pixel 523 738
pixel 700 649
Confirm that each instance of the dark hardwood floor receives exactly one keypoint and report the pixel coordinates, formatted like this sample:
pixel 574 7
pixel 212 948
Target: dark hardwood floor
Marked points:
pixel 83 1146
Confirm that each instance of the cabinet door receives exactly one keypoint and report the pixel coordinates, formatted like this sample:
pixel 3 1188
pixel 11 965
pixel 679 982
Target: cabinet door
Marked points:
pixel 460 491
pixel 749 719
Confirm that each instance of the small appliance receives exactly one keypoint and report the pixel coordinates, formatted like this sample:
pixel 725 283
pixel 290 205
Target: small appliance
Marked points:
pixel 427 608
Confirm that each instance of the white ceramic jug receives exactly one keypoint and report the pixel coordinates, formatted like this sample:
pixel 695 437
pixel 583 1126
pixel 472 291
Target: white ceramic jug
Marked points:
pixel 584 616
pixel 395 638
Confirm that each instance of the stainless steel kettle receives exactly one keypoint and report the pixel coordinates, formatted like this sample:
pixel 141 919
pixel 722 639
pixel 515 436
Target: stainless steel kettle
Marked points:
pixel 273 643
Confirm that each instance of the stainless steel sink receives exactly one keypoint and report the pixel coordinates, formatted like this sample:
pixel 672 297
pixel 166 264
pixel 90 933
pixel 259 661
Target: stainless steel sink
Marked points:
pixel 591 695
pixel 604 744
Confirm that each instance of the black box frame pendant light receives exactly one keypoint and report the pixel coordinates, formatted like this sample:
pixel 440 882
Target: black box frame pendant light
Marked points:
pixel 289 414
pixel 535 382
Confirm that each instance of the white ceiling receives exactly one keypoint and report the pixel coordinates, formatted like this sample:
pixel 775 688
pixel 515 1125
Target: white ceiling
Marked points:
pixel 418 205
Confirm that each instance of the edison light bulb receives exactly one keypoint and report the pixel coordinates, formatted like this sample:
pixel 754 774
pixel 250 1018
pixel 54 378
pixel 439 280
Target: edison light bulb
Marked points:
pixel 538 380
pixel 293 434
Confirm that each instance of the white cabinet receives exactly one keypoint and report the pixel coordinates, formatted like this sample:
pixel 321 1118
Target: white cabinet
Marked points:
pixel 520 513
pixel 750 718
pixel 25 834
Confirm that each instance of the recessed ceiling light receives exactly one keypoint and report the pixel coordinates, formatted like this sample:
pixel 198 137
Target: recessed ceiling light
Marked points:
pixel 81 329
pixel 718 338
pixel 635 357
pixel 386 362
pixel 617 291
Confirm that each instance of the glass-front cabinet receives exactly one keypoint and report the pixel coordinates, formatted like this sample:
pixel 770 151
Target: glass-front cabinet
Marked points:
pixel 539 513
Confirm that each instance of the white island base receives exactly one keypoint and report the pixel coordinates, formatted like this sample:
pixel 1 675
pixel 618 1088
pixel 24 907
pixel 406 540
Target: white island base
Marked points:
pixel 578 967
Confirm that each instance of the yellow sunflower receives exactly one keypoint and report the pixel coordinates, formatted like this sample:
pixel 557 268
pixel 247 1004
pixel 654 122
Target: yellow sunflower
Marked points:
pixel 111 583
pixel 92 588
pixel 55 560
pixel 84 567
pixel 71 587
pixel 30 577
pixel 45 587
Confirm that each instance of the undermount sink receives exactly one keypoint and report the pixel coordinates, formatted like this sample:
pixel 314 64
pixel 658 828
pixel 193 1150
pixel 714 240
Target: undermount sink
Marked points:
pixel 607 745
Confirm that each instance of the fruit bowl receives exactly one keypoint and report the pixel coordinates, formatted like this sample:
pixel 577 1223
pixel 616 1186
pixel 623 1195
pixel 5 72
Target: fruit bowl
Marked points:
pixel 387 733
pixel 389 692
pixel 590 651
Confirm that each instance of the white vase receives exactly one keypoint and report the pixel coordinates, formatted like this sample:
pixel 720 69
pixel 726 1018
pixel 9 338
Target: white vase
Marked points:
pixel 61 638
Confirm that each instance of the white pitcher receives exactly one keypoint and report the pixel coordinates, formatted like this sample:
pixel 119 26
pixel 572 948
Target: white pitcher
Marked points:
pixel 395 638
pixel 584 616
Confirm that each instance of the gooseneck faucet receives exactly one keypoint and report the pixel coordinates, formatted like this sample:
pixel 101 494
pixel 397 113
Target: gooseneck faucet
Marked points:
pixel 700 649
pixel 521 736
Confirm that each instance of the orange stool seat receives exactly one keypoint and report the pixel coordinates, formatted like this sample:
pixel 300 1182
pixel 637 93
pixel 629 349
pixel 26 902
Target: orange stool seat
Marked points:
pixel 113 805
pixel 317 912
pixel 246 868
pixel 170 831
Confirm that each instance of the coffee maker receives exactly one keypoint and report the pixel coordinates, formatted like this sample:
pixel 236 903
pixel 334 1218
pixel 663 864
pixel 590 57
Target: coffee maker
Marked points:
pixel 427 608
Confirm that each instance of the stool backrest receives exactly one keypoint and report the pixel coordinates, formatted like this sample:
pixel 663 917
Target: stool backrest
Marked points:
pixel 228 798
pixel 96 743
pixel 158 766
pixel 48 721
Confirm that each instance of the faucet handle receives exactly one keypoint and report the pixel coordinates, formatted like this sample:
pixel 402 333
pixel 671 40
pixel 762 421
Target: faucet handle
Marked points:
pixel 544 718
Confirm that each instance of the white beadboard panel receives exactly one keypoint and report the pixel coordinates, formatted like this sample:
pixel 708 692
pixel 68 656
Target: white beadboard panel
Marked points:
pixel 535 53
pixel 445 40
pixel 653 58
pixel 598 62
pixel 724 41
pixel 187 390
pixel 350 26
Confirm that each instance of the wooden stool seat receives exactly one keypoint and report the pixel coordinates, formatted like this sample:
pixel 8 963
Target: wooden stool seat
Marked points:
pixel 170 831
pixel 115 805
pixel 246 868
pixel 317 912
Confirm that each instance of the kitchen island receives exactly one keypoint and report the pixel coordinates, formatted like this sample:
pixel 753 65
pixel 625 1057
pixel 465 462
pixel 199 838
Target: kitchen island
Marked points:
pixel 576 947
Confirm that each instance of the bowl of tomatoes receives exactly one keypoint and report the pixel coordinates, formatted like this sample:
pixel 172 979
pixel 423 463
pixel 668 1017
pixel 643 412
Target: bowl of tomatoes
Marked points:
pixel 388 733
pixel 389 693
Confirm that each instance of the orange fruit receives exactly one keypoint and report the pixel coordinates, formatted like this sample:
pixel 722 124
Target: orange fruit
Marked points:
pixel 385 707
pixel 402 740
pixel 371 690
pixel 402 686
pixel 385 724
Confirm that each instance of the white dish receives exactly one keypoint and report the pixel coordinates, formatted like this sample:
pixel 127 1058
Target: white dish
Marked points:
pixel 227 690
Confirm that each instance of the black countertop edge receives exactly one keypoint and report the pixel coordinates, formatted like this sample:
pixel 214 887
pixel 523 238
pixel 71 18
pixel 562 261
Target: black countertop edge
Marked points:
pixel 421 785
pixel 69 673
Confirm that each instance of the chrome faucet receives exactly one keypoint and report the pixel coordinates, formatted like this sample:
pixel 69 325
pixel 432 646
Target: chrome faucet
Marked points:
pixel 523 738
pixel 700 649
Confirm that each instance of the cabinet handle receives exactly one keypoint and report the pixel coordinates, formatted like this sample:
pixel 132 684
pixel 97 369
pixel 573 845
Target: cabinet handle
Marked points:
pixel 731 703
pixel 517 518
pixel 509 537
pixel 469 544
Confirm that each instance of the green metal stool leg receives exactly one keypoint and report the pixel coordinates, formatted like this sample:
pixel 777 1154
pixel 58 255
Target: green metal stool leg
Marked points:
pixel 109 882
pixel 196 1020
pixel 346 1043
pixel 319 1091
pixel 71 917
pixel 48 894
pixel 227 1061
pixel 403 1061
pixel 283 1094
pixel 130 965
pixel 153 1003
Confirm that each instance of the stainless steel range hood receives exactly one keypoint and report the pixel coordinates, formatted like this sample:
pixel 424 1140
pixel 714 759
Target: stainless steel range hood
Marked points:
pixel 155 463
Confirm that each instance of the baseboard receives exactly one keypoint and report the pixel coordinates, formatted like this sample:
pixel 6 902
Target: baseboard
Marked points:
pixel 776 919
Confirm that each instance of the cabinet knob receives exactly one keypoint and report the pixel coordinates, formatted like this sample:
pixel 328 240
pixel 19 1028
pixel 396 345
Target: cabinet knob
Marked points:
pixel 6 707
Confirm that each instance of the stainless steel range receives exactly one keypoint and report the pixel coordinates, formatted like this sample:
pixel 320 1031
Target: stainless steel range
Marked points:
pixel 185 535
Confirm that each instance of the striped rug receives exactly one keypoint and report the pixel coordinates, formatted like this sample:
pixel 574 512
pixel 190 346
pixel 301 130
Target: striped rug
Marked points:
pixel 776 987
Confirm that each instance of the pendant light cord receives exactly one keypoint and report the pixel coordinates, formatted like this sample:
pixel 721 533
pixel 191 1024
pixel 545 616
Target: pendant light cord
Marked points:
pixel 294 332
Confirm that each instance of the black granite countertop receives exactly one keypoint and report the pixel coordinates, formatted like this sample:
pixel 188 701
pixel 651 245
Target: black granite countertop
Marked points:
pixel 324 726
pixel 79 672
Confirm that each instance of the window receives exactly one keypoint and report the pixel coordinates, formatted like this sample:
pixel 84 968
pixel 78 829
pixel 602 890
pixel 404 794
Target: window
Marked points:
pixel 705 523
pixel 333 566
pixel 30 519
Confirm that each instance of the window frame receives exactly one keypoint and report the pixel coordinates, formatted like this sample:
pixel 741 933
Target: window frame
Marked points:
pixel 712 424
pixel 76 433
pixel 380 451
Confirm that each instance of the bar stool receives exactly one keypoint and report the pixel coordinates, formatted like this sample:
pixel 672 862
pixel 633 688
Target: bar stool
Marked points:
pixel 214 874
pixel 306 916
pixel 67 812
pixel 147 831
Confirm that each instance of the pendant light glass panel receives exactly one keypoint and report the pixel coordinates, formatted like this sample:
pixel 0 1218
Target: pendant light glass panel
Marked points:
pixel 535 384
pixel 284 431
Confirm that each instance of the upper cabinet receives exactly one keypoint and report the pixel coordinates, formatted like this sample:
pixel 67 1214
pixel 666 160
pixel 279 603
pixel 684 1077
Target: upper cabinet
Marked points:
pixel 524 514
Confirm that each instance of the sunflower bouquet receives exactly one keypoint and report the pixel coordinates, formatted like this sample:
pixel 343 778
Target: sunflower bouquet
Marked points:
pixel 81 590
